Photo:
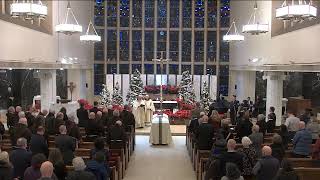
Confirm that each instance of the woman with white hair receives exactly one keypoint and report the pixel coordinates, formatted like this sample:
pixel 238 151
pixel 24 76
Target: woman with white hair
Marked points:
pixel 5 166
pixel 79 171
pixel 249 158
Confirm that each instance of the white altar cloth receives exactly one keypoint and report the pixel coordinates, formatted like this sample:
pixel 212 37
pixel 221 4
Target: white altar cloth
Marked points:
pixel 165 129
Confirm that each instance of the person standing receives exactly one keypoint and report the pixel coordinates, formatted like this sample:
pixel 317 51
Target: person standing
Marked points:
pixel 271 124
pixel 292 123
pixel 66 144
pixel 205 134
pixel 20 158
pixel 82 115
pixel 233 109
pixel 38 143
pixel 149 110
pixel 46 170
pixel 267 167
pixel 139 111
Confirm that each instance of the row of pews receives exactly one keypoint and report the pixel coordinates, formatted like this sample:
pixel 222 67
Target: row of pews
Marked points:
pixel 307 168
pixel 119 152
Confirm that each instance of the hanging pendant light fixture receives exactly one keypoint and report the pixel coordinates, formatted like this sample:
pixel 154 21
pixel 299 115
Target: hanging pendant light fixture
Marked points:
pixel 90 37
pixel 67 28
pixel 235 36
pixel 28 9
pixel 296 12
pixel 254 27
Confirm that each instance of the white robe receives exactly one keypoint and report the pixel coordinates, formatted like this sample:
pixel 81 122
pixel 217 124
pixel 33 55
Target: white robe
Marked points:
pixel 149 111
pixel 139 113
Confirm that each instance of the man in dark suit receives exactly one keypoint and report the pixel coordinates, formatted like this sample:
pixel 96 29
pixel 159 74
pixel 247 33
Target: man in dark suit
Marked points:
pixel 82 115
pixel 117 134
pixel 20 158
pixel 66 144
pixel 204 134
pixel 50 123
pixel 21 130
pixel 58 122
pixel 38 143
pixel 95 108
pixel 127 118
pixel 93 128
pixel 233 108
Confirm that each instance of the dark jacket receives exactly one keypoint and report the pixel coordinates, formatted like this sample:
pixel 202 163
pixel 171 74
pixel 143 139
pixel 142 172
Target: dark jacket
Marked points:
pixel 30 119
pixel 257 140
pixel 100 170
pixel 266 168
pixel 117 133
pixel 93 128
pixel 127 119
pixel 50 124
pixel 67 146
pixel 271 124
pixel 38 144
pixel 73 130
pixel 204 136
pixel 104 151
pixel 287 175
pixel 231 157
pixel 20 159
pixel 83 117
pixel 244 128
pixel 12 119
pixel 278 151
pixel 57 124
pixel 6 171
pixel 80 175
pixel 194 124
pixel 19 131
pixel 302 142
pixel 94 109
pixel 32 173
pixel 262 126
pixel 60 170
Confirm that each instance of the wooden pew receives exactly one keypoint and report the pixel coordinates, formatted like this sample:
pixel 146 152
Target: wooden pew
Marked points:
pixel 113 174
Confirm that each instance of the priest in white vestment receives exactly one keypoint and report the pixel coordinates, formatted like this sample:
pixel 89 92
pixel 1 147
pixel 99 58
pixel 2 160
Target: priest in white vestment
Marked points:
pixel 149 109
pixel 139 112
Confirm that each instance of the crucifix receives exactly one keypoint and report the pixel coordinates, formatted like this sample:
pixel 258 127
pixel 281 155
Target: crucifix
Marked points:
pixel 71 87
pixel 161 61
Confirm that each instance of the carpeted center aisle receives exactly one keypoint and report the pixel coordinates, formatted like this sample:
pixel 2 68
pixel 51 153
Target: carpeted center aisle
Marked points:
pixel 160 162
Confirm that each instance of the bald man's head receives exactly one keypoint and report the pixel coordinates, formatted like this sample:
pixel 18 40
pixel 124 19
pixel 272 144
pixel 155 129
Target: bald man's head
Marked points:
pixel 266 151
pixel 302 125
pixel 231 145
pixel 46 169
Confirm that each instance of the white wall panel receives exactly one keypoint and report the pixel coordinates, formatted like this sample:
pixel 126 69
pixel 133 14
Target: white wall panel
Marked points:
pixel 213 87
pixel 144 79
pixel 150 79
pixel 125 85
pixel 117 79
pixel 197 85
pixel 109 82
pixel 179 79
pixel 172 80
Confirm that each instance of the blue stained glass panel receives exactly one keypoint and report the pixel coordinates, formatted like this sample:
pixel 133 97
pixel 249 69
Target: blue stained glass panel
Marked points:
pixel 124 13
pixel 124 69
pixel 198 69
pixel 211 45
pixel 173 69
pixel 136 46
pixel 199 13
pixel 187 13
pixel 225 13
pixel 99 78
pixel 148 47
pixel 111 68
pixel 212 13
pixel 124 45
pixel 112 13
pixel 162 13
pixel 148 68
pixel 137 13
pixel 174 13
pixel 224 49
pixel 149 13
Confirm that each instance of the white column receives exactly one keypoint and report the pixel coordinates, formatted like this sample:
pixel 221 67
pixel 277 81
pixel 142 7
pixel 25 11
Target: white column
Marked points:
pixel 48 88
pixel 275 93
pixel 246 84
pixel 78 77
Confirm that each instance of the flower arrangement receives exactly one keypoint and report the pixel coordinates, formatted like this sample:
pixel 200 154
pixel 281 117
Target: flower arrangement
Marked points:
pixel 86 104
pixel 165 89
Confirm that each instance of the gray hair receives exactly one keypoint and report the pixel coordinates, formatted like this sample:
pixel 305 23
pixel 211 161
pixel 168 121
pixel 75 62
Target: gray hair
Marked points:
pixel 21 114
pixel 277 139
pixel 78 164
pixel 246 142
pixel 255 128
pixel 52 111
pixel 261 117
pixel 22 142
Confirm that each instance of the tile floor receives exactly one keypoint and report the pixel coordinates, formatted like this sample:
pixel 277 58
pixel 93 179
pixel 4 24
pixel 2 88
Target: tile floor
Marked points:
pixel 176 130
pixel 170 162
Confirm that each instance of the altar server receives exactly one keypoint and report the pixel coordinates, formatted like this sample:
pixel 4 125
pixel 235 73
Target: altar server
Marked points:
pixel 149 109
pixel 139 111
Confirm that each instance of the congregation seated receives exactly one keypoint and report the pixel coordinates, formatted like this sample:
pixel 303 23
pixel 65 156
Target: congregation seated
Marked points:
pixel 20 130
pixel 79 172
pixel 204 134
pixel 82 115
pixel 225 129
pixel 20 158
pixel 302 141
pixel 98 167
pixel 244 127
pixel 38 143
pixel 6 169
pixel 278 150
pixel 66 144
pixel 232 172
pixel 249 156
pixel 117 134
pixel 272 118
pixel 93 128
pixel 231 156
pixel 46 170
pixel 99 146
pixel 286 172
pixel 50 123
pixel 257 139
pixel 56 158
pixel 127 118
pixel 267 167
pixel 33 172
pixel 115 117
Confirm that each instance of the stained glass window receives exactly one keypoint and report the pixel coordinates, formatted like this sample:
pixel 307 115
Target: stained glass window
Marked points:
pixel 99 13
pixel 124 13
pixel 187 13
pixel 211 45
pixel 111 45
pixel 224 80
pixel 211 69
pixel 163 70
pixel 198 46
pixel 149 13
pixel 174 45
pixel 136 46
pixel 173 69
pixel 124 69
pixel 124 45
pixel 162 39
pixel 111 68
pixel 99 78
pixel 148 68
pixel 198 69
pixel 186 68
pixel 186 46
pixel 212 13
pixel 99 47
pixel 148 46
pixel 225 13
pixel 112 13
pixel 136 66
pixel 199 14
pixel 137 13
pixel 224 49
pixel 174 13
pixel 162 13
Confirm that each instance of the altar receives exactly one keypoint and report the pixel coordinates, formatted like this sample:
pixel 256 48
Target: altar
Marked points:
pixel 172 105
pixel 160 133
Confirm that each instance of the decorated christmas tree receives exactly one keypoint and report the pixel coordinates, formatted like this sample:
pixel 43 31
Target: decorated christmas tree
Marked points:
pixel 186 91
pixel 205 97
pixel 105 96
pixel 135 87
pixel 117 95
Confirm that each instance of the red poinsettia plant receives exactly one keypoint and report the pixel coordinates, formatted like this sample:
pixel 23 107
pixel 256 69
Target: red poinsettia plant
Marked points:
pixel 86 104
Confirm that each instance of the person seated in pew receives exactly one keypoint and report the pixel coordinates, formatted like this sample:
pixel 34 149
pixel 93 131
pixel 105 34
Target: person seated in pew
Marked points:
pixel 99 146
pixel 73 129
pixel 127 118
pixel 55 157
pixel 5 166
pixel 46 170
pixel 231 156
pixel 63 110
pixel 66 144
pixel 116 117
pixel 204 135
pixel 314 128
pixel 249 156
pixel 257 139
pixel 302 141
pixel 98 167
pixel 261 122
pixel 38 143
pixel 225 129
pixel 79 172
pixel 194 123
pixel 20 158
pixel 33 172
pixel 232 172
pixel 93 128
pixel 50 123
pixel 277 147
pixel 284 135
pixel 215 120
pixel 287 172
pixel 267 167
pixel 105 117
pixel 117 135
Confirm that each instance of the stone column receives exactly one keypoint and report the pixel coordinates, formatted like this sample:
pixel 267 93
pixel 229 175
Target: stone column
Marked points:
pixel 78 77
pixel 246 85
pixel 275 93
pixel 48 88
